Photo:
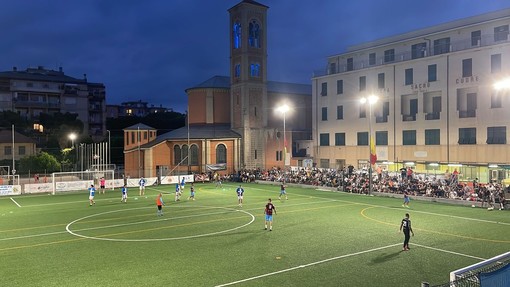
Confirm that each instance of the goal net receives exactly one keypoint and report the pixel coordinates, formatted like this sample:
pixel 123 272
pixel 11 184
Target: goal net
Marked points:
pixel 494 272
pixel 81 180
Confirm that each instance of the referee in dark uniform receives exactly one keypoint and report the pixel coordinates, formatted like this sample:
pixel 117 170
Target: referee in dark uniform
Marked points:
pixel 408 230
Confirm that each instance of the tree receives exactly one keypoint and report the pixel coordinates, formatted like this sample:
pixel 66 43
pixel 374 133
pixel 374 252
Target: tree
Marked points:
pixel 43 162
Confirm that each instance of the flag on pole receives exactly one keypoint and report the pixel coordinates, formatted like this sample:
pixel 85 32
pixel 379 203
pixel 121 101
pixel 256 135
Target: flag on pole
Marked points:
pixel 373 154
pixel 284 150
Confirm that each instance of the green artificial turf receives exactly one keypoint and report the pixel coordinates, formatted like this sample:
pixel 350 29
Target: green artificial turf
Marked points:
pixel 320 238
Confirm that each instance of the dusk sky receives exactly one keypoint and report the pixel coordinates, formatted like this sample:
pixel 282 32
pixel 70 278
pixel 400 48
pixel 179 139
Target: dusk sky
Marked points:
pixel 153 50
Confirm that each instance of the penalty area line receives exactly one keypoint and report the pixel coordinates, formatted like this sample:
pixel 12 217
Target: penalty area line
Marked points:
pixel 451 252
pixel 307 265
pixel 15 202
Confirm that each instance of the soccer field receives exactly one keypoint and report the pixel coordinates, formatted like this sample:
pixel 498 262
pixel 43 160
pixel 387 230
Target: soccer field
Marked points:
pixel 320 238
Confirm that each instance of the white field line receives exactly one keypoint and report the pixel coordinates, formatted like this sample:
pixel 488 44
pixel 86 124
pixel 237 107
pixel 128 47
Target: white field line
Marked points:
pixel 307 265
pixel 413 210
pixel 15 202
pixel 451 252
pixel 134 223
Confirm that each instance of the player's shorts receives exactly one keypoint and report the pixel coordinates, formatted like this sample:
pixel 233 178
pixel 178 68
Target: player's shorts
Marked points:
pixel 282 192
pixel 102 186
pixel 269 217
pixel 91 197
pixel 142 187
pixel 124 195
pixel 192 194
pixel 239 197
pixel 407 199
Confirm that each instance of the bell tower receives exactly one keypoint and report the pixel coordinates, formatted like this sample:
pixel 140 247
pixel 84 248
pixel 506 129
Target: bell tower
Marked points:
pixel 248 77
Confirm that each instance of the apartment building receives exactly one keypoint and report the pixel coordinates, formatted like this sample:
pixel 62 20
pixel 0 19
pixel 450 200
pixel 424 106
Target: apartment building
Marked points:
pixel 38 90
pixel 437 108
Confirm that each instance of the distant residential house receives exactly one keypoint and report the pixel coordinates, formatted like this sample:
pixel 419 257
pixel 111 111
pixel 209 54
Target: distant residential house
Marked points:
pixel 134 108
pixel 23 145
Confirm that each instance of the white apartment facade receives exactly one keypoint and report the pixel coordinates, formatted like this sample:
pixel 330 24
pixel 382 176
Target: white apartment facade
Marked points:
pixel 437 105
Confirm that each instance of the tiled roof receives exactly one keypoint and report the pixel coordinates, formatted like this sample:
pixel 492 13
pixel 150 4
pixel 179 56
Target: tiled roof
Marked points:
pixel 6 137
pixel 139 126
pixel 41 75
pixel 223 82
pixel 196 132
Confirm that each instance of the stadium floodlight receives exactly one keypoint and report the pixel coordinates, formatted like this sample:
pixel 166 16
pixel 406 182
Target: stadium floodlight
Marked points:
pixel 502 85
pixel 370 100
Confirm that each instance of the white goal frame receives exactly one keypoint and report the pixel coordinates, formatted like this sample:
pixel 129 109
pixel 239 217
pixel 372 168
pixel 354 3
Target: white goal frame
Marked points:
pixel 81 180
pixel 455 275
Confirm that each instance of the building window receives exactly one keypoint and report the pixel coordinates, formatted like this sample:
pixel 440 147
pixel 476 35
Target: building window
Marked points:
pixel 432 137
pixel 184 154
pixel 177 154
pixel 362 138
pixel 339 139
pixel 381 138
pixel 255 70
pixel 339 87
pixel 221 153
pixel 496 135
pixel 237 70
pixel 324 113
pixel 380 81
pixel 350 64
pixel 324 139
pixel 324 89
pixel 467 136
pixel 339 112
pixel 193 155
pixel 441 46
pixel 409 137
pixel 279 155
pixel 8 150
pixel 409 77
pixel 132 137
pixel 418 50
pixel 362 111
pixel 255 154
pixel 362 83
pixel 371 59
pixel 476 38
pixel 324 163
pixel 389 55
pixel 467 68
pixel 21 150
pixel 501 33
pixel 254 35
pixel 496 63
pixel 237 35
pixel 145 135
pixel 432 73
pixel 496 100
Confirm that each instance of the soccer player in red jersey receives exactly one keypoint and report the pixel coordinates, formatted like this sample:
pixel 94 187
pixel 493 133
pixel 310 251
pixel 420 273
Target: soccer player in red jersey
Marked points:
pixel 270 209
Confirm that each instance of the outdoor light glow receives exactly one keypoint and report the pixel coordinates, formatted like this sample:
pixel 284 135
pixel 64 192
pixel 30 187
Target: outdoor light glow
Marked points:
pixel 502 85
pixel 434 164
pixel 372 99
pixel 409 163
pixel 387 162
pixel 283 109
pixel 455 164
pixel 72 136
pixel 493 165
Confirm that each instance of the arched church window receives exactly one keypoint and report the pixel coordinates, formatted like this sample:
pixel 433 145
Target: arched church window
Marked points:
pixel 221 153
pixel 184 151
pixel 237 35
pixel 254 36
pixel 193 155
pixel 237 71
pixel 177 154
pixel 255 70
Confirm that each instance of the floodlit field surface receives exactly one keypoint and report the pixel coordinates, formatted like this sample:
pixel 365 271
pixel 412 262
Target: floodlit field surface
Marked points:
pixel 320 238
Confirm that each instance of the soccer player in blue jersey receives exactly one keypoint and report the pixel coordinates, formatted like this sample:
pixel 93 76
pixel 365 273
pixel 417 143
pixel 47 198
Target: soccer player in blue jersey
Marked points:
pixel 92 192
pixel 282 191
pixel 183 183
pixel 268 212
pixel 124 194
pixel 405 226
pixel 407 199
pixel 177 192
pixel 240 192
pixel 142 183
pixel 192 190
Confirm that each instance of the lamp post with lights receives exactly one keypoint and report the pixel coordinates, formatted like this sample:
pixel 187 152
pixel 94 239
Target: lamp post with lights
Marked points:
pixel 370 100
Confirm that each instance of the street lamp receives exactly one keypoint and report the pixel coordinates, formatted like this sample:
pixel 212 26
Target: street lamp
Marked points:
pixel 72 137
pixel 502 85
pixel 370 100
pixel 109 150
pixel 284 109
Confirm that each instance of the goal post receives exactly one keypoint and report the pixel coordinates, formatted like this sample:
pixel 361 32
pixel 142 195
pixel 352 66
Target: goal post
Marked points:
pixel 472 275
pixel 81 180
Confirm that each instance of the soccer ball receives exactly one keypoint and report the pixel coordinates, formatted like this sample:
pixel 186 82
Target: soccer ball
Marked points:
pixel 473 205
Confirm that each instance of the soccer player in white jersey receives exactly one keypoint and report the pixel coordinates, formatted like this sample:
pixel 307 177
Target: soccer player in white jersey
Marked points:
pixel 142 183
pixel 92 192
pixel 124 194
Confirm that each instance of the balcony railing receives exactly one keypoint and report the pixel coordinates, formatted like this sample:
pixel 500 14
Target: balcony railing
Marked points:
pixel 459 45
pixel 467 114
pixel 433 116
pixel 409 118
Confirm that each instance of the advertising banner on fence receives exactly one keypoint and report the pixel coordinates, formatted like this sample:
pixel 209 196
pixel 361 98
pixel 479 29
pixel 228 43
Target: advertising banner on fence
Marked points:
pixel 38 187
pixel 73 185
pixel 6 190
